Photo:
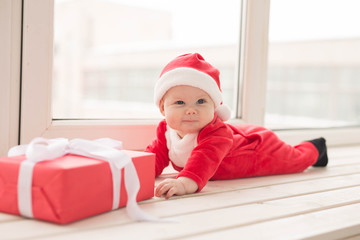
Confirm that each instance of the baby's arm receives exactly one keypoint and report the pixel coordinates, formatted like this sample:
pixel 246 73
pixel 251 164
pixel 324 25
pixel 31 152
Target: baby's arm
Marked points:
pixel 179 186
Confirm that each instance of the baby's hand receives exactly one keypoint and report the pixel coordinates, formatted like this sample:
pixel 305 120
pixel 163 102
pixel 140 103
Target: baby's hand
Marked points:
pixel 180 186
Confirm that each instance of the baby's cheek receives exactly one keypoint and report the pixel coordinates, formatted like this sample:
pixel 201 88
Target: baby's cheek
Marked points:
pixel 172 117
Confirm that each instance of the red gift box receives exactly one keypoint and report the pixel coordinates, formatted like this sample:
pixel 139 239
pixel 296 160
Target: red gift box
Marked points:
pixel 72 187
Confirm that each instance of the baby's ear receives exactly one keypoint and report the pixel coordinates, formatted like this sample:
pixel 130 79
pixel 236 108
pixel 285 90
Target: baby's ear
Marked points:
pixel 162 107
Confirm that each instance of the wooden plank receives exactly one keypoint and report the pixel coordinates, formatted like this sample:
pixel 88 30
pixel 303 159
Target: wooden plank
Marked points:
pixel 188 206
pixel 351 160
pixel 344 151
pixel 335 223
pixel 357 237
pixel 339 167
pixel 240 217
pixel 309 174
pixel 33 229
pixel 219 195
pixel 8 217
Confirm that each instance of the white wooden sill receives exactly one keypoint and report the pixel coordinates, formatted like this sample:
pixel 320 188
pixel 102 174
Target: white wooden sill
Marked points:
pixel 321 203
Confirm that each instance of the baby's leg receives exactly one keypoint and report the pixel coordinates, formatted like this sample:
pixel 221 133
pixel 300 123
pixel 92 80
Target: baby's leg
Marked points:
pixel 278 157
pixel 273 156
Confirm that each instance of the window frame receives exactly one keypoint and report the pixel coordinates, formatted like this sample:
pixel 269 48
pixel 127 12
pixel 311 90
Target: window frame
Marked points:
pixel 10 49
pixel 37 54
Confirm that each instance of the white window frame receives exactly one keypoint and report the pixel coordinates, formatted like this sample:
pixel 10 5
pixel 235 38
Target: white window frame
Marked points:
pixel 10 52
pixel 37 57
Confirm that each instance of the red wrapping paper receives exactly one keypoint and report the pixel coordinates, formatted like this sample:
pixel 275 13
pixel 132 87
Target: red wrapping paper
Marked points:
pixel 72 187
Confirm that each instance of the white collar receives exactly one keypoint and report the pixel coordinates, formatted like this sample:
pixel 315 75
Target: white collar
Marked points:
pixel 180 148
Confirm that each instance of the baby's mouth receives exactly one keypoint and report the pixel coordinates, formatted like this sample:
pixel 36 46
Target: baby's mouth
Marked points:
pixel 189 120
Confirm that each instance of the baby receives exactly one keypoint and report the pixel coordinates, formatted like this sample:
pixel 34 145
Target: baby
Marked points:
pixel 195 139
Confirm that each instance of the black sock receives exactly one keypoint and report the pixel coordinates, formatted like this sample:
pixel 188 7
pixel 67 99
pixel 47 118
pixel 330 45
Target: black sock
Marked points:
pixel 320 144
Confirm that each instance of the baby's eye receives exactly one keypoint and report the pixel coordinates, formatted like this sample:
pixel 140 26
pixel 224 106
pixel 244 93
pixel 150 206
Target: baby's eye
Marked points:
pixel 179 102
pixel 201 101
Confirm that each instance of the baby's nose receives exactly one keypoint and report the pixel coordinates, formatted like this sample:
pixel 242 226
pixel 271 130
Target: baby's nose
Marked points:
pixel 190 111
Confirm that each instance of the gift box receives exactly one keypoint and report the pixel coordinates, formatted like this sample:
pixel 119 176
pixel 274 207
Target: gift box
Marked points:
pixel 72 187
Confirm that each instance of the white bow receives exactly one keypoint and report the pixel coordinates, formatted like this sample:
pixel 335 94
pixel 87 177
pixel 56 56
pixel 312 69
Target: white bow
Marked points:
pixel 41 149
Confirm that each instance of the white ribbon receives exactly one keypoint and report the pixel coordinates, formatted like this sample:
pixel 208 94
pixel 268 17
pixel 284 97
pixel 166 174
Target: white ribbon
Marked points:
pixel 41 149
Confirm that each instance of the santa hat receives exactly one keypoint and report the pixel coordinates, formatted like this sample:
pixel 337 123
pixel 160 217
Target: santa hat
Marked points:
pixel 192 70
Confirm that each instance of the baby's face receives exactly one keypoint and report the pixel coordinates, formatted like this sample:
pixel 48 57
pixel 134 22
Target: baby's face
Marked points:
pixel 187 109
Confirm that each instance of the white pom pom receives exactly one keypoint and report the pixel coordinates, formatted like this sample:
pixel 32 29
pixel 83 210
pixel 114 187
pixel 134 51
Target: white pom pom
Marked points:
pixel 223 112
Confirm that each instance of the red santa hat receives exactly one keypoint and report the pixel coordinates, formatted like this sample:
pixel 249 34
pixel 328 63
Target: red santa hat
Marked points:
pixel 192 70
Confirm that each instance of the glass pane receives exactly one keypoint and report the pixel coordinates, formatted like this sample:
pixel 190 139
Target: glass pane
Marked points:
pixel 313 64
pixel 108 54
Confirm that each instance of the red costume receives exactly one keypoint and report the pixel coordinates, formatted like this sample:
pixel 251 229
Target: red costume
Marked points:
pixel 223 151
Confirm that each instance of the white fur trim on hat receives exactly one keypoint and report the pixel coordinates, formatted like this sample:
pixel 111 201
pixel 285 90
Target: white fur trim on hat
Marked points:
pixel 223 112
pixel 190 77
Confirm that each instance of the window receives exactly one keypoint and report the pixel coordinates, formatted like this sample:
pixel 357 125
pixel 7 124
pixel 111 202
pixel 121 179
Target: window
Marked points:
pixel 41 66
pixel 42 58
pixel 108 54
pixel 313 64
